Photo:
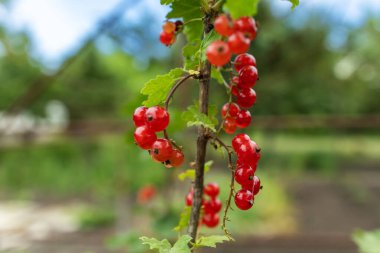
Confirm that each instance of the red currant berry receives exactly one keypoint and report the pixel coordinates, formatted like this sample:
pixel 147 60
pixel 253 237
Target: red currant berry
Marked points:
pixel 238 140
pixel 251 163
pixel 231 109
pixel 238 43
pixel 244 174
pixel 246 25
pixel 169 27
pixel 211 220
pixel 223 25
pixel 247 151
pixel 178 25
pixel 139 116
pixel 161 150
pixel 218 53
pixel 212 206
pixel 189 198
pixel 212 190
pixel 243 60
pixel 256 185
pixel 144 137
pixel 247 77
pixel 145 194
pixel 229 125
pixel 243 119
pixel 244 199
pixel 175 160
pixel 157 118
pixel 246 97
pixel 167 38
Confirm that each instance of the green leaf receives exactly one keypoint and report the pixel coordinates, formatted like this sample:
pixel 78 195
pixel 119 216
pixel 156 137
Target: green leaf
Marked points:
pixel 239 8
pixel 368 242
pixel 194 118
pixel 166 2
pixel 210 241
pixel 182 245
pixel 157 89
pixel 295 3
pixel 163 246
pixel 190 173
pixel 215 74
pixel 191 54
pixel 184 219
pixel 193 30
pixel 209 38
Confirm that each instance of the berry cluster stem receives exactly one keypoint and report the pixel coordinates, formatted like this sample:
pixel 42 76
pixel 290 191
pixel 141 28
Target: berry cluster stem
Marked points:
pixel 204 82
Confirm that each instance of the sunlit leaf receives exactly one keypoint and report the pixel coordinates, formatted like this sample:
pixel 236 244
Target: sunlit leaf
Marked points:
pixel 210 241
pixel 163 246
pixel 239 8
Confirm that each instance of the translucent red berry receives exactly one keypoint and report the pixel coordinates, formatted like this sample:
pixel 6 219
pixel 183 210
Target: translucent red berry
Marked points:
pixel 169 27
pixel 212 190
pixel 189 198
pixel 212 206
pixel 243 60
pixel 238 43
pixel 157 118
pixel 229 125
pixel 240 139
pixel 223 25
pixel 244 199
pixel 247 151
pixel 175 160
pixel 139 116
pixel 211 220
pixel 247 26
pixel 231 109
pixel 218 53
pixel 161 150
pixel 243 119
pixel 167 38
pixel 248 76
pixel 256 185
pixel 246 97
pixel 144 137
pixel 244 174
pixel 251 162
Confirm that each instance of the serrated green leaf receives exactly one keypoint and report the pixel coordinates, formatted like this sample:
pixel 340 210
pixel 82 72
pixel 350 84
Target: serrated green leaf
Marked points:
pixel 191 54
pixel 166 2
pixel 240 8
pixel 182 245
pixel 195 118
pixel 163 246
pixel 210 241
pixel 193 30
pixel 215 74
pixel 209 38
pixel 295 3
pixel 157 89
pixel 368 242
pixel 184 219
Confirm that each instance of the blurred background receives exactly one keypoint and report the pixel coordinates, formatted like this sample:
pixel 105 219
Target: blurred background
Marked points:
pixel 72 180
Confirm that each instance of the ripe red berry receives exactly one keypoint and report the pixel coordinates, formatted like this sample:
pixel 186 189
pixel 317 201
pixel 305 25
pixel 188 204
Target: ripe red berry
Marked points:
pixel 233 85
pixel 175 160
pixel 189 198
pixel 169 27
pixel 246 25
pixel 251 162
pixel 144 137
pixel 157 118
pixel 212 206
pixel 238 43
pixel 167 38
pixel 161 150
pixel 247 151
pixel 139 116
pixel 238 140
pixel 212 190
pixel 244 199
pixel 244 174
pixel 229 125
pixel 243 119
pixel 223 25
pixel 256 185
pixel 243 60
pixel 231 109
pixel 178 25
pixel 218 53
pixel 248 76
pixel 210 220
pixel 246 97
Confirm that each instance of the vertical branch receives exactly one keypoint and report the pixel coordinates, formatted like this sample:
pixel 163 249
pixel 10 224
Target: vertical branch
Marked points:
pixel 205 73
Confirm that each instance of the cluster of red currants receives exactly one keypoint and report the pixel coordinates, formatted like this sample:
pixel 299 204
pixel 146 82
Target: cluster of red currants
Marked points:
pixel 170 31
pixel 248 156
pixel 210 207
pixel 148 122
pixel 238 35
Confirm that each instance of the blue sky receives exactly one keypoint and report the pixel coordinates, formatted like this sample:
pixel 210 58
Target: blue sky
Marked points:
pixel 58 26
